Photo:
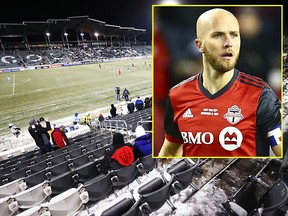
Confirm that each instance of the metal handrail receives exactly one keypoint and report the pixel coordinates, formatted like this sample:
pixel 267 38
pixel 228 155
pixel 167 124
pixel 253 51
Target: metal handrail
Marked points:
pixel 118 126
pixel 144 121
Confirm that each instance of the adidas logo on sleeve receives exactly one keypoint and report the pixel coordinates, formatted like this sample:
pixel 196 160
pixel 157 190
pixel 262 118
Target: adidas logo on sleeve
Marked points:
pixel 188 114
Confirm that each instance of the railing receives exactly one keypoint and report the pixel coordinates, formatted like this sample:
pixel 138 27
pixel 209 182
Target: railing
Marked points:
pixel 141 122
pixel 3 142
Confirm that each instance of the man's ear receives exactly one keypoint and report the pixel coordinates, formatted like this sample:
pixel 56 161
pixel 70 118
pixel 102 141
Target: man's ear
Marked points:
pixel 198 43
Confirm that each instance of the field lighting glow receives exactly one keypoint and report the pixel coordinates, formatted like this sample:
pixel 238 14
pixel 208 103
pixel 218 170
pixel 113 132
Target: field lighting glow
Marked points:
pixel 170 2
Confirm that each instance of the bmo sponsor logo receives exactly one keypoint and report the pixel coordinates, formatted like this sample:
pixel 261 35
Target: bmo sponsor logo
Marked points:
pixel 198 138
pixel 230 138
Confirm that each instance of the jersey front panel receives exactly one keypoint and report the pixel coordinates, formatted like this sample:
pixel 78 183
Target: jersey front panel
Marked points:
pixel 224 125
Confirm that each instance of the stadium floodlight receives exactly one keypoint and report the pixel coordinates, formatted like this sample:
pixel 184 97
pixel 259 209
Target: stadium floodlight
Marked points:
pixel 170 2
pixel 66 36
pixel 82 35
pixel 96 35
pixel 48 36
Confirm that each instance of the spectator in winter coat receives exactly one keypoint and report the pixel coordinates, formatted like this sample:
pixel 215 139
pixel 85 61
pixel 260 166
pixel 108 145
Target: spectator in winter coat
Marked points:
pixel 15 130
pixel 130 107
pixel 117 91
pixel 76 119
pixel 126 94
pixel 40 134
pixel 59 137
pixel 88 119
pixel 147 102
pixel 143 143
pixel 139 104
pixel 101 121
pixel 113 111
pixel 120 156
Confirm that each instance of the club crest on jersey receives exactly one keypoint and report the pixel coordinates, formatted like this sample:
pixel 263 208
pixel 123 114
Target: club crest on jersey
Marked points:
pixel 233 115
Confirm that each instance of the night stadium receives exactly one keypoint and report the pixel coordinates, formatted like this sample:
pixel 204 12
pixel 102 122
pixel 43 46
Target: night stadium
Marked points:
pixel 57 68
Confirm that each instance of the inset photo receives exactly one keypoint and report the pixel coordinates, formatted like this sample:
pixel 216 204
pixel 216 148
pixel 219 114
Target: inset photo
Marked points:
pixel 217 81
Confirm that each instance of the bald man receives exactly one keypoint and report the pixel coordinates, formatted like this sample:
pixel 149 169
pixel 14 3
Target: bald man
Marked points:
pixel 221 111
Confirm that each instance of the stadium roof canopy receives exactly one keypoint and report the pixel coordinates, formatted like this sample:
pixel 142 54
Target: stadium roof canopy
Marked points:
pixel 82 24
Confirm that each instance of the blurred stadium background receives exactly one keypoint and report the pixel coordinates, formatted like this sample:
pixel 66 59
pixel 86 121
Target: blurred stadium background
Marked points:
pixel 60 92
pixel 40 55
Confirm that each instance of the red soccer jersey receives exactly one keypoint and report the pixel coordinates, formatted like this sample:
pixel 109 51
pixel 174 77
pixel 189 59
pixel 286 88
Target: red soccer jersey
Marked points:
pixel 233 122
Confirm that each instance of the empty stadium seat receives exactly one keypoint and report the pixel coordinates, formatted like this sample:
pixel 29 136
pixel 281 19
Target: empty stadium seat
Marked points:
pixel 36 178
pixel 99 187
pixel 33 196
pixel 99 152
pixel 247 201
pixel 12 187
pixel 71 147
pixel 62 182
pixel 155 193
pixel 245 197
pixel 92 146
pixel 276 199
pixel 124 206
pixel 105 141
pixel 147 163
pixel 41 158
pixel 86 141
pixel 60 178
pixel 183 172
pixel 70 202
pixel 24 164
pixel 34 211
pixel 57 160
pixel 55 153
pixel 75 153
pixel 81 160
pixel 8 206
pixel 22 173
pixel 37 167
pixel 85 171
pixel 6 171
pixel 125 175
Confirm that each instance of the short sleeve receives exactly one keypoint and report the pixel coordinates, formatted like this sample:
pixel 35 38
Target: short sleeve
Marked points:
pixel 268 112
pixel 172 132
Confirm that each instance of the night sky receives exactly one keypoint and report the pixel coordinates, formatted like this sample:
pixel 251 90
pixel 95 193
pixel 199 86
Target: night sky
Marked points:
pixel 128 13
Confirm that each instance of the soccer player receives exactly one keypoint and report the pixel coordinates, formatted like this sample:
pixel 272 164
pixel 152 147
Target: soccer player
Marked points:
pixel 221 111
pixel 9 79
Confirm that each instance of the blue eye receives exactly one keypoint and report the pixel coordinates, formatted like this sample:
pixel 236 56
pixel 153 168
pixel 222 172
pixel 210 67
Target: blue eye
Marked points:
pixel 234 35
pixel 216 35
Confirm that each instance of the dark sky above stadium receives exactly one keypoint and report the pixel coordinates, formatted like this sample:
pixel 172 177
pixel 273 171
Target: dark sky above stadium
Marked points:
pixel 126 13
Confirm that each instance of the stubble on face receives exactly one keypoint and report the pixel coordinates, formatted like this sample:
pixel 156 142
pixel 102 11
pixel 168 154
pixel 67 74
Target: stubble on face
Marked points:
pixel 219 64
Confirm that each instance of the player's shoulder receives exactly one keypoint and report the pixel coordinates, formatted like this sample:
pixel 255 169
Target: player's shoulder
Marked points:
pixel 251 80
pixel 185 82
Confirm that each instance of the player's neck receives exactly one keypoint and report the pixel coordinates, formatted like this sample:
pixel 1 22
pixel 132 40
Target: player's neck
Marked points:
pixel 214 81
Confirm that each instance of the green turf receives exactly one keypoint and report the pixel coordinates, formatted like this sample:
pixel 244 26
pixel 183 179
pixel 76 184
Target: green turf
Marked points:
pixel 60 92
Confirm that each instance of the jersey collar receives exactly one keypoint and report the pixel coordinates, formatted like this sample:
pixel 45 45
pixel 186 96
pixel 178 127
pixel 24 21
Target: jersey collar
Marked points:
pixel 221 91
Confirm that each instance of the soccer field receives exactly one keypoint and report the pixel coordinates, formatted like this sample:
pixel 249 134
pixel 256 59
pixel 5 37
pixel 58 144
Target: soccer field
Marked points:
pixel 60 92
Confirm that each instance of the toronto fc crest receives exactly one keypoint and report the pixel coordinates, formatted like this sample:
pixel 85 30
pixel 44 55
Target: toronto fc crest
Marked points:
pixel 233 115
